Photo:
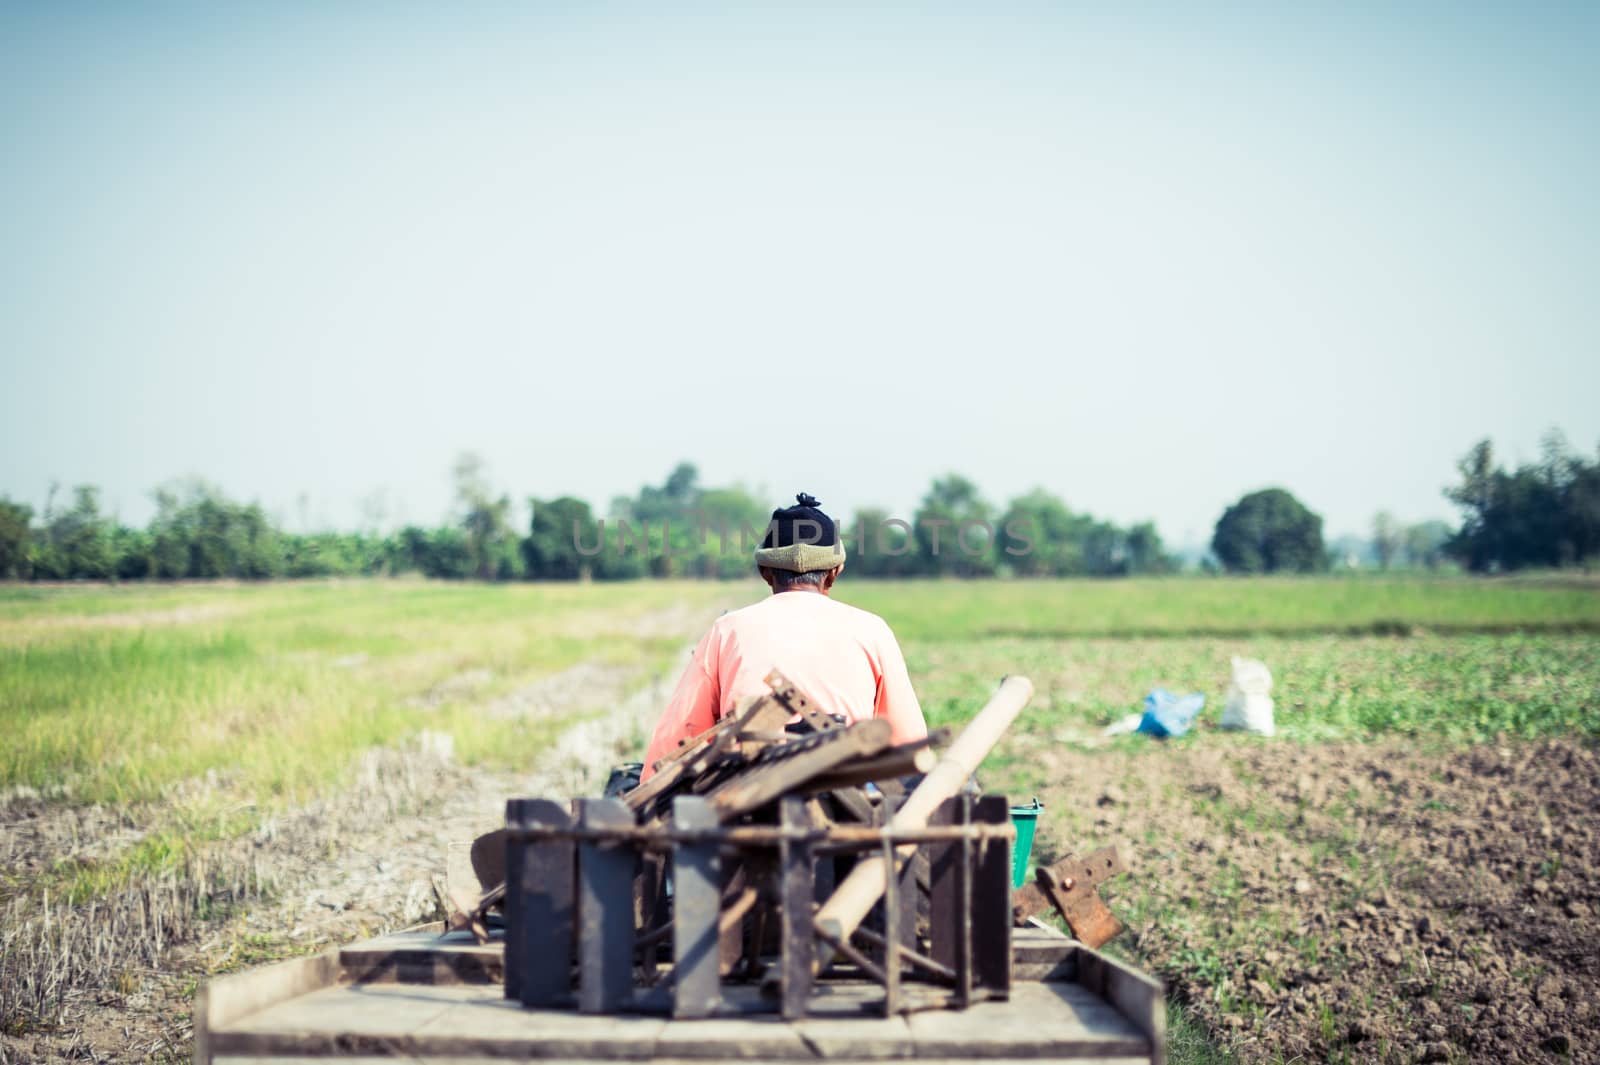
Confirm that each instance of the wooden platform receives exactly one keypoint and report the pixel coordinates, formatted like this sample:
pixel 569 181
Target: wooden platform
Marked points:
pixel 417 997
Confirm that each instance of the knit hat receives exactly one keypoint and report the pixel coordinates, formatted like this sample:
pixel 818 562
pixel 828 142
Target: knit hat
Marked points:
pixel 801 538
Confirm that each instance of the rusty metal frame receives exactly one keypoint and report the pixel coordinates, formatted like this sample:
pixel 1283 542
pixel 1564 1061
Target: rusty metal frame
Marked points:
pixel 598 851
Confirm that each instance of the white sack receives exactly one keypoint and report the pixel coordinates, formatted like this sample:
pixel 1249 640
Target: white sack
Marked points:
pixel 1249 704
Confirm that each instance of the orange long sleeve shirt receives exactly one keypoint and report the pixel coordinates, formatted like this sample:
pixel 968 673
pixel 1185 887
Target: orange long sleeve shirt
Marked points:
pixel 846 659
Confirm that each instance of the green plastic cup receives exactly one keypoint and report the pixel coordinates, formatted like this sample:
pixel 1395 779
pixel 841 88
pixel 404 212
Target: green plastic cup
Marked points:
pixel 1026 818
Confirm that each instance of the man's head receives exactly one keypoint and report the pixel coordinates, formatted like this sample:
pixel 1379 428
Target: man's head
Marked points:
pixel 802 549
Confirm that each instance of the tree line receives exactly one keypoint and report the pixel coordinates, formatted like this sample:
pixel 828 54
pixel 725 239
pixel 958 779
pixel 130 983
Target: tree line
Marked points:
pixel 678 528
pixel 1544 514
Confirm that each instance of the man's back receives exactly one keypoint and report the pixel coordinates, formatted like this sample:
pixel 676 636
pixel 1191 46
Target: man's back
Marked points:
pixel 846 659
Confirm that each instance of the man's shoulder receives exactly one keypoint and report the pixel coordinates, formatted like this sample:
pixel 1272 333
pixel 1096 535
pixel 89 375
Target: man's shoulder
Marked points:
pixel 744 617
pixel 761 611
pixel 865 622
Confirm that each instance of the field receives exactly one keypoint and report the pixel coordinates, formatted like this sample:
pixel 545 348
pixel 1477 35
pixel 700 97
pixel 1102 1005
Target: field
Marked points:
pixel 227 774
pixel 1409 869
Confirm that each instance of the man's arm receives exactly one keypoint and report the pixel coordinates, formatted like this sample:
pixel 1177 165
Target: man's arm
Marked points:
pixel 896 699
pixel 693 708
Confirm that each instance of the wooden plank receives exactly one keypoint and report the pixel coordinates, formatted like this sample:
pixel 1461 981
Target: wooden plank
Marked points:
pixel 423 958
pixel 1061 1022
pixel 540 905
pixel 964 895
pixel 1137 997
pixel 1079 1059
pixel 226 1000
pixel 858 1038
pixel 733 1039
pixel 1043 954
pixel 697 894
pixel 375 1019
pixel 906 760
pixel 991 899
pixel 943 861
pixel 950 895
pixel 605 910
pixel 1065 1021
pixel 660 1061
pixel 480 1030
pixel 659 782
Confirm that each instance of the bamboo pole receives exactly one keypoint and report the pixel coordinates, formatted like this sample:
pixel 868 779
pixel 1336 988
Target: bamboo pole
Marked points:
pixel 850 902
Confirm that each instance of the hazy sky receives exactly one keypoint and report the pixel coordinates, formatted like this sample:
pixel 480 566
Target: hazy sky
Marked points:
pixel 1148 259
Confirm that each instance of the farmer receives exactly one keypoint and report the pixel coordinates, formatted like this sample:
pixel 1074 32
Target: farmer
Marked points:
pixel 845 659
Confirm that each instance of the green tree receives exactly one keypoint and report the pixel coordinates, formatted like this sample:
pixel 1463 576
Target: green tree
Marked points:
pixel 76 542
pixel 1269 531
pixel 16 535
pixel 550 550
pixel 1104 547
pixel 1145 553
pixel 955 530
pixel 690 530
pixel 672 501
pixel 1038 537
pixel 485 520
pixel 875 546
pixel 1544 514
pixel 725 520
pixel 441 553
pixel 131 552
pixel 1424 543
pixel 1387 538
pixel 200 533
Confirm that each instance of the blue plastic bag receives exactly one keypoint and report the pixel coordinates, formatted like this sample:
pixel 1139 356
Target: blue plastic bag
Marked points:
pixel 1166 714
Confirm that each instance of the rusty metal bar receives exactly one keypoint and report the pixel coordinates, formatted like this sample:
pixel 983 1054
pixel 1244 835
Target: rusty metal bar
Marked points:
pixel 796 899
pixel 891 940
pixel 916 958
pixel 696 899
pixel 839 838
pixel 652 937
pixel 850 953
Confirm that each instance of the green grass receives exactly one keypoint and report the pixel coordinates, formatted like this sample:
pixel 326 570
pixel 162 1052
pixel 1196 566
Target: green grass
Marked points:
pixel 1188 1042
pixel 967 610
pixel 120 694
pixel 1443 688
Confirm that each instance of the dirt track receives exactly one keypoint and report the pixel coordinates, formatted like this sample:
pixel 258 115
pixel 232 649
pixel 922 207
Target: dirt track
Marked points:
pixel 354 865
